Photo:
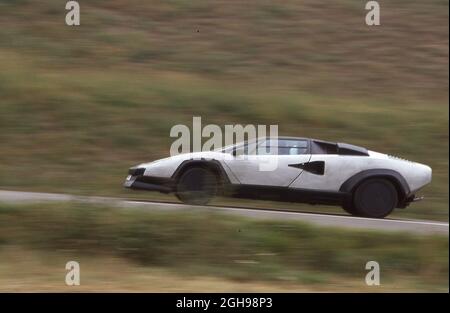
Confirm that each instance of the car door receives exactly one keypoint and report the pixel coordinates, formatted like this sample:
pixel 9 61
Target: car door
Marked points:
pixel 327 172
pixel 271 162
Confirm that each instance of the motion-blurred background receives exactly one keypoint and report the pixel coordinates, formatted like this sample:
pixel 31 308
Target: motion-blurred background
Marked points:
pixel 79 105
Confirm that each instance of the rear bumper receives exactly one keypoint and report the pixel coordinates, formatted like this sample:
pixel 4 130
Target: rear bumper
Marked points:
pixel 161 184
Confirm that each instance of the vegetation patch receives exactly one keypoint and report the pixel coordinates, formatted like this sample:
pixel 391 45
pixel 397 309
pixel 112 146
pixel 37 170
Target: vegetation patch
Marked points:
pixel 203 243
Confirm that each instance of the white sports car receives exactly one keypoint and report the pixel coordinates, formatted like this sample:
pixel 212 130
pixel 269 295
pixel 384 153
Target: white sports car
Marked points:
pixel 363 182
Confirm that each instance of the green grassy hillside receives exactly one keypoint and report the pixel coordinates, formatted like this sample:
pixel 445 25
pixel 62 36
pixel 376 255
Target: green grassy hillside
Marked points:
pixel 79 105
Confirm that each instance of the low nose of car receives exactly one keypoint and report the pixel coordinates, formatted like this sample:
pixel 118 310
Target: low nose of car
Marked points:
pixel 136 171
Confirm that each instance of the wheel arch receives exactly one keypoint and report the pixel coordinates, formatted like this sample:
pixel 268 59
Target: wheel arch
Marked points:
pixel 394 177
pixel 212 165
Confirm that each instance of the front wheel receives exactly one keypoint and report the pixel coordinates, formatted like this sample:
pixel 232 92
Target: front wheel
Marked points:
pixel 197 186
pixel 375 198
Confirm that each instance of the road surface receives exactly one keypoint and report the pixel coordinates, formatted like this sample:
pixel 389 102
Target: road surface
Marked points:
pixel 414 226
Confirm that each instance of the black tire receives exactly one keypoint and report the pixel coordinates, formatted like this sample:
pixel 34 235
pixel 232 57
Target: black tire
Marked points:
pixel 197 186
pixel 375 198
pixel 349 208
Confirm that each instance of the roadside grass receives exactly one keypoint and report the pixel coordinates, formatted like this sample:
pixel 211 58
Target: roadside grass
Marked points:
pixel 79 106
pixel 202 244
pixel 36 271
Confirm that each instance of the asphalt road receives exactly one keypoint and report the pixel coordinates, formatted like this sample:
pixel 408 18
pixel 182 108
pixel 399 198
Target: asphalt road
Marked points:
pixel 413 226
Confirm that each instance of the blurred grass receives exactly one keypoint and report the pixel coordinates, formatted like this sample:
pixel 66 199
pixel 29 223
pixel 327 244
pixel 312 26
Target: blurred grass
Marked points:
pixel 198 244
pixel 81 105
pixel 34 271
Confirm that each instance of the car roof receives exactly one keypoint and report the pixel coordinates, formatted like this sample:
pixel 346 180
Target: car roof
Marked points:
pixel 295 138
pixel 341 148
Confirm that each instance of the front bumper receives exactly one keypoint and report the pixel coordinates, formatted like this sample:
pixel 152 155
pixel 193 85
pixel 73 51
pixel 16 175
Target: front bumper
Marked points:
pixel 140 182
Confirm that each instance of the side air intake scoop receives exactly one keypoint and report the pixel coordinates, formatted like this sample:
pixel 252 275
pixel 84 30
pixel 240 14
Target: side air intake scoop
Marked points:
pixel 347 149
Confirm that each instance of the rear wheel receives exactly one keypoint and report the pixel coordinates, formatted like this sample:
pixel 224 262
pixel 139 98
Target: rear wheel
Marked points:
pixel 197 186
pixel 375 197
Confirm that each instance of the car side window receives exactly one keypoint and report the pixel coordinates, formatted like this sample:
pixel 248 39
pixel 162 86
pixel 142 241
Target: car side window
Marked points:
pixel 283 147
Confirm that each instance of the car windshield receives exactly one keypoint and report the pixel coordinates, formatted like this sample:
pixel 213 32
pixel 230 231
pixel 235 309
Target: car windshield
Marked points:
pixel 241 144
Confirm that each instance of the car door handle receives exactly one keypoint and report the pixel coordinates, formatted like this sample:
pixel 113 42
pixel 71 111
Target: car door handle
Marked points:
pixel 315 167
